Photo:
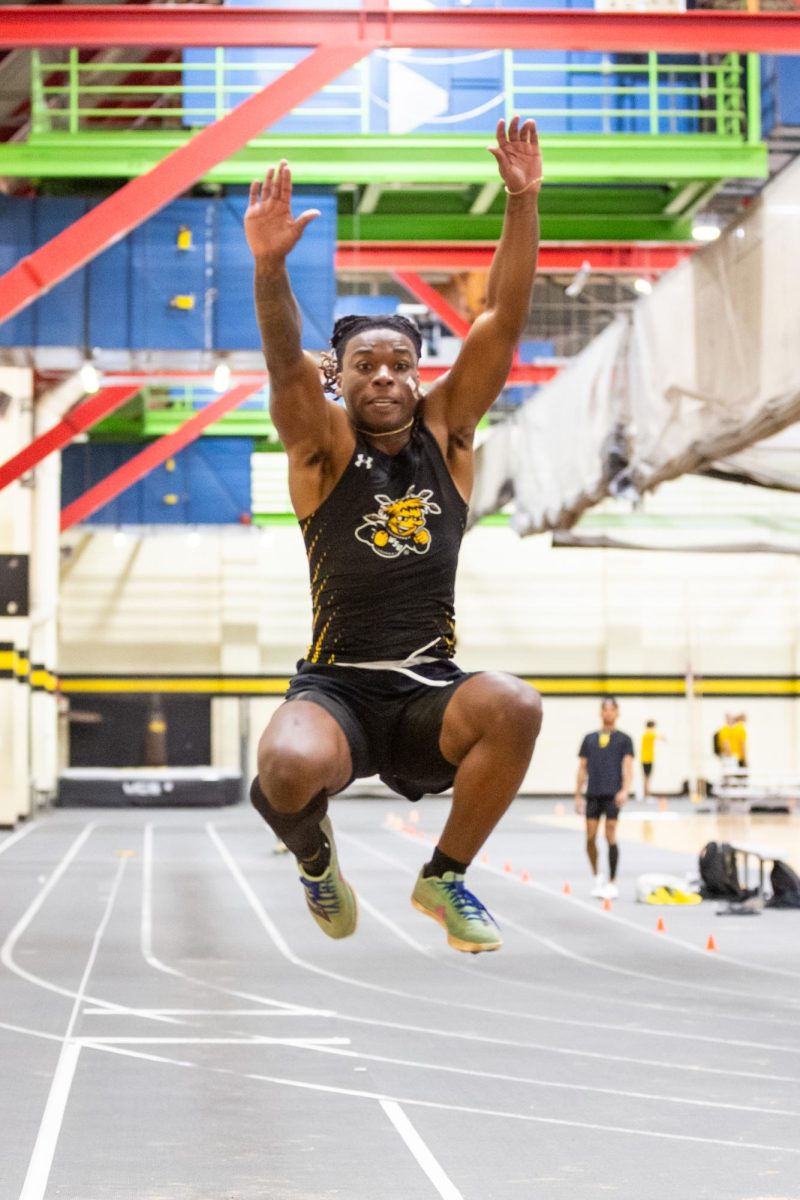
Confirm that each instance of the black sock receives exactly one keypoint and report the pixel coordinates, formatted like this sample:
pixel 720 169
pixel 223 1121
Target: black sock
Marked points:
pixel 441 863
pixel 613 859
pixel 319 864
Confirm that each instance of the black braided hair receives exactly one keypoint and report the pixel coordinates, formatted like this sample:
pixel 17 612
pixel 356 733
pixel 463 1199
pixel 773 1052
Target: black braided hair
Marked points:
pixel 347 327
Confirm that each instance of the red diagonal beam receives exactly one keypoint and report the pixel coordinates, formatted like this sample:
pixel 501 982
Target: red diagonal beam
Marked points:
pixel 543 29
pixel 434 300
pixel 139 199
pixel 520 373
pixel 77 420
pixel 609 259
pixel 121 479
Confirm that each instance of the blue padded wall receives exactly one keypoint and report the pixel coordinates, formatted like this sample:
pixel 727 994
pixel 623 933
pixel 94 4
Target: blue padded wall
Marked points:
pixel 122 299
pixel 210 481
pixel 26 223
pixel 780 93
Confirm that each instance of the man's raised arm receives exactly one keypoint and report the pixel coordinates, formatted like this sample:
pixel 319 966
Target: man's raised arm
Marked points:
pixel 481 369
pixel 297 402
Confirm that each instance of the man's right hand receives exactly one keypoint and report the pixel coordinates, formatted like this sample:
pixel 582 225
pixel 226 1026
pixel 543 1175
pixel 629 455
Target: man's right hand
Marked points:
pixel 270 229
pixel 580 805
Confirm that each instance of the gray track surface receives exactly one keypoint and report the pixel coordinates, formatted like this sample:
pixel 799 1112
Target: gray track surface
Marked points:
pixel 173 1026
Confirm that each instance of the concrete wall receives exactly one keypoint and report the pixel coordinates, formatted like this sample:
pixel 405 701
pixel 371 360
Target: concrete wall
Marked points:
pixel 236 603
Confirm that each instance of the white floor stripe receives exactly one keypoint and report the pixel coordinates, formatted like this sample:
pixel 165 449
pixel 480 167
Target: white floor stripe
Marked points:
pixel 279 1007
pixel 639 1005
pixel 9 945
pixel 282 945
pixel 41 1160
pixel 446 1189
pixel 16 836
pixel 529 1081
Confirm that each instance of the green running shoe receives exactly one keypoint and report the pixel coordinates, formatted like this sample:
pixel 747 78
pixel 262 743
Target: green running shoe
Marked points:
pixel 470 927
pixel 330 899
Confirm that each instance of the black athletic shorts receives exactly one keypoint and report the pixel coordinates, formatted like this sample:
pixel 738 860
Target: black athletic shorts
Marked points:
pixel 601 806
pixel 647 769
pixel 392 722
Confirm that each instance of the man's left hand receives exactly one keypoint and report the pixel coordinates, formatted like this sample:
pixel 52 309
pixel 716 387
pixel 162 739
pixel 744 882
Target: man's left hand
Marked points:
pixel 519 158
pixel 620 798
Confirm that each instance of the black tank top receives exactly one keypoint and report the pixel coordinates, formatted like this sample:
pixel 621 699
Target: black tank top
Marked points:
pixel 382 552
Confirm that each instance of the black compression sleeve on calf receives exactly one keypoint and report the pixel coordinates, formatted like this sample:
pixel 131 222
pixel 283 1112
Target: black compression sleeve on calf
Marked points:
pixel 441 863
pixel 299 831
pixel 613 859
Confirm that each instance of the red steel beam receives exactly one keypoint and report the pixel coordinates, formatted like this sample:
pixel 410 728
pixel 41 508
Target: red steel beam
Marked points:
pixel 543 29
pixel 77 420
pixel 520 373
pixel 132 204
pixel 610 259
pixel 121 479
pixel 459 325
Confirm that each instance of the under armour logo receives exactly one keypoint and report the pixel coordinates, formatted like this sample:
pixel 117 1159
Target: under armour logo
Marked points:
pixel 364 460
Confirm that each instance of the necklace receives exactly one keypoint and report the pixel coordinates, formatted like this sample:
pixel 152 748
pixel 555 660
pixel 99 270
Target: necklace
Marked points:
pixel 388 433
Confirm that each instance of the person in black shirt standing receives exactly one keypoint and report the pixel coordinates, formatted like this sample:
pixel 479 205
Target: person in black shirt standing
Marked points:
pixel 380 484
pixel 605 768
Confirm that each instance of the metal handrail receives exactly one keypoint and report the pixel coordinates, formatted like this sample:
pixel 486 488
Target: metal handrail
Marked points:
pixel 715 94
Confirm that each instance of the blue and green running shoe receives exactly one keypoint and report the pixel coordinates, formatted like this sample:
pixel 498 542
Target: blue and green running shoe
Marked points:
pixel 470 926
pixel 330 899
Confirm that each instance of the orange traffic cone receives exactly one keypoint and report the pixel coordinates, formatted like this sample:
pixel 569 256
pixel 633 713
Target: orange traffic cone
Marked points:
pixel 711 944
pixel 484 859
pixel 507 867
pixel 567 889
pixel 606 905
pixel 662 804
pixel 525 877
pixel 660 926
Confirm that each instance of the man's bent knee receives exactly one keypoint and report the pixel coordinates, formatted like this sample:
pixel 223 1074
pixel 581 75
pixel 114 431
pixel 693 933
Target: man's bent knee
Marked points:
pixel 302 752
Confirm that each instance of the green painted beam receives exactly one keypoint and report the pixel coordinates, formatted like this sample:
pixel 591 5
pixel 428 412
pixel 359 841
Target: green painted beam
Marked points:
pixel 376 159
pixel 603 227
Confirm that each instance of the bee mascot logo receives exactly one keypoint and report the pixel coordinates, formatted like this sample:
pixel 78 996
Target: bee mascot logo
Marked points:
pixel 398 527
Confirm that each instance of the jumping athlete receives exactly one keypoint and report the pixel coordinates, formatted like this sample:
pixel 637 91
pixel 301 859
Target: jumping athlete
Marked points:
pixel 605 767
pixel 380 487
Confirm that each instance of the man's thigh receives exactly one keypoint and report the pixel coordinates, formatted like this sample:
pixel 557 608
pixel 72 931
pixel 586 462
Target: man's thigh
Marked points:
pixel 310 738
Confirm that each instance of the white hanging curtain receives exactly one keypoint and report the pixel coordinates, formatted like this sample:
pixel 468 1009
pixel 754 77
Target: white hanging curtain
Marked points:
pixel 707 366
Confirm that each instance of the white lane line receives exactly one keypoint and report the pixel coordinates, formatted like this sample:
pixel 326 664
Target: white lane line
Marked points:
pixel 671 1009
pixel 610 1027
pixel 40 1033
pixel 552 1048
pixel 156 1058
pixel 281 944
pixel 389 924
pixel 212 1041
pixel 41 1160
pixel 146 941
pixel 598 964
pixel 212 1012
pixel 442 1182
pixel 517 1116
pixel 9 945
pixel 17 836
pixel 529 1081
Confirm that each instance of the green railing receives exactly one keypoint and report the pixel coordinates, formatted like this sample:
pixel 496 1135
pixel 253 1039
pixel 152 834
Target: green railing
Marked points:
pixel 651 95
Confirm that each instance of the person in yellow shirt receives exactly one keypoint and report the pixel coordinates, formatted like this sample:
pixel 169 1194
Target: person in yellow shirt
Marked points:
pixel 732 738
pixel 647 754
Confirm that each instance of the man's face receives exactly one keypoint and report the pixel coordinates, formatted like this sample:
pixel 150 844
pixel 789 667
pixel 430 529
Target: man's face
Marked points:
pixel 608 715
pixel 379 380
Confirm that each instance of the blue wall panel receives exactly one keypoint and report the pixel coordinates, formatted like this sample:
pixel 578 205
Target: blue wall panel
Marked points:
pixel 208 483
pixel 311 270
pixel 780 91
pixel 123 298
pixel 16 240
pixel 60 316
